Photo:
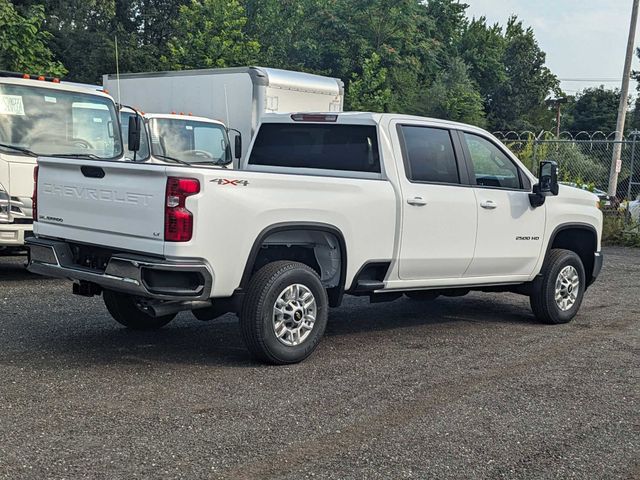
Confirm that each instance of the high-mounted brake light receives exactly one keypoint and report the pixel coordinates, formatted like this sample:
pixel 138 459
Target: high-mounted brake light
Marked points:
pixel 313 117
pixel 178 221
pixel 35 194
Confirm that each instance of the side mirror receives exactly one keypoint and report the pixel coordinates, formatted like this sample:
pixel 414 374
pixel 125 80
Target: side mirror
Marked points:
pixel 549 178
pixel 547 184
pixel 238 146
pixel 134 133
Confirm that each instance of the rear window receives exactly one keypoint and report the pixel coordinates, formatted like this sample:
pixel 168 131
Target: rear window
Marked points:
pixel 331 147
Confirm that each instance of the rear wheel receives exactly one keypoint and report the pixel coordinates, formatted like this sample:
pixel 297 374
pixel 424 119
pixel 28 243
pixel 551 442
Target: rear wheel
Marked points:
pixel 557 294
pixel 284 313
pixel 124 310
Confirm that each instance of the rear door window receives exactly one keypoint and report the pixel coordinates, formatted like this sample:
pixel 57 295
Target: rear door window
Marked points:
pixel 429 155
pixel 352 148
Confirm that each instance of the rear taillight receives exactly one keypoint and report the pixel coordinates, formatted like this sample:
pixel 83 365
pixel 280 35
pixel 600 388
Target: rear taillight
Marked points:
pixel 35 194
pixel 178 221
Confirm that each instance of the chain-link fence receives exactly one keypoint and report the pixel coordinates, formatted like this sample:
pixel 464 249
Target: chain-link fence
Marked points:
pixel 584 160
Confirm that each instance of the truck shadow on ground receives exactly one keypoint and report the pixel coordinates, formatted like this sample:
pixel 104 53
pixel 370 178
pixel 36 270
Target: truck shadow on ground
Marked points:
pixel 219 343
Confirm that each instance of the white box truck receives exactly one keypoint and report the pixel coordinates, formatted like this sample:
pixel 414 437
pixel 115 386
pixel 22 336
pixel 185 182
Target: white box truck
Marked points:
pixel 42 117
pixel 238 97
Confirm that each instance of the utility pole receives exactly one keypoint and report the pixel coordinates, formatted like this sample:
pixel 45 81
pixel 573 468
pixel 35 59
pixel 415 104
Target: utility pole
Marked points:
pixel 557 104
pixel 616 162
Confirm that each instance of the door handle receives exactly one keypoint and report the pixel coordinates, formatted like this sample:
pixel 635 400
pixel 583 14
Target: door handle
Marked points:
pixel 488 204
pixel 417 201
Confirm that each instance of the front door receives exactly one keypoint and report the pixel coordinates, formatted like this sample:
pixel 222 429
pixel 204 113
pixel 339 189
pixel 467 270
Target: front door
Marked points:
pixel 439 214
pixel 510 231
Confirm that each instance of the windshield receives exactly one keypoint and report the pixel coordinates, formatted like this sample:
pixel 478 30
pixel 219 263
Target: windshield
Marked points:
pixel 56 122
pixel 190 141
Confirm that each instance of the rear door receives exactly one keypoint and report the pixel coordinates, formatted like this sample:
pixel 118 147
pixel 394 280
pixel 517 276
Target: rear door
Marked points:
pixel 439 215
pixel 510 231
pixel 114 204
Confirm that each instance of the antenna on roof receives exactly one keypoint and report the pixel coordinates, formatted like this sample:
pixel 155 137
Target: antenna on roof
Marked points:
pixel 117 69
pixel 226 104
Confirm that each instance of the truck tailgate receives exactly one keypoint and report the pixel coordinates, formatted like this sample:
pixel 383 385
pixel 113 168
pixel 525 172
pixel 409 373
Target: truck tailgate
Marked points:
pixel 114 204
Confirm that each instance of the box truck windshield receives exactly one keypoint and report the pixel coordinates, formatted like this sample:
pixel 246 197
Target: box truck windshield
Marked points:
pixel 189 141
pixel 45 122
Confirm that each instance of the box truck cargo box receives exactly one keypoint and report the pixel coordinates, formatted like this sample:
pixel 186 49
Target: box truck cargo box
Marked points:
pixel 238 97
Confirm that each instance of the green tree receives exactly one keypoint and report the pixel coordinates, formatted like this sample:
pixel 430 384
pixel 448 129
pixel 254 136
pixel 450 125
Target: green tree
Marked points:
pixel 595 109
pixel 482 47
pixel 23 43
pixel 518 102
pixel 369 91
pixel 209 33
pixel 454 96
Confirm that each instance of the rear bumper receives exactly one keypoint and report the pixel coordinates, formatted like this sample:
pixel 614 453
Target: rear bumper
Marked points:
pixel 13 235
pixel 128 273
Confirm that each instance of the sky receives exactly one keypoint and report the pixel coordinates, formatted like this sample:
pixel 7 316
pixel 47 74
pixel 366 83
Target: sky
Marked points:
pixel 585 40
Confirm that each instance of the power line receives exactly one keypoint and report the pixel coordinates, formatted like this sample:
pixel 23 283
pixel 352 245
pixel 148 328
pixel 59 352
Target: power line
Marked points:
pixel 590 79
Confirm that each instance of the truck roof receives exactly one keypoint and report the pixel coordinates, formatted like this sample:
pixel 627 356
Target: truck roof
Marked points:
pixel 271 77
pixel 363 117
pixel 173 116
pixel 61 86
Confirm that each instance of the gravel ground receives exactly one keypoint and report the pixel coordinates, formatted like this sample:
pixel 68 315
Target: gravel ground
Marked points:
pixel 466 387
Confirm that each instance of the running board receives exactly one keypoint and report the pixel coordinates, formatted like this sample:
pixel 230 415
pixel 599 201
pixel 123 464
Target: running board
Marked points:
pixel 369 285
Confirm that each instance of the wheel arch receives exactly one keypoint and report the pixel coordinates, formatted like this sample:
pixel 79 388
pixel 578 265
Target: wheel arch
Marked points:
pixel 581 238
pixel 336 292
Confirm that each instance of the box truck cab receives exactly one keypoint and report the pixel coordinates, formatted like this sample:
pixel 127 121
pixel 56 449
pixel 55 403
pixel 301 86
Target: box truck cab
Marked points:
pixel 39 116
pixel 239 97
pixel 183 139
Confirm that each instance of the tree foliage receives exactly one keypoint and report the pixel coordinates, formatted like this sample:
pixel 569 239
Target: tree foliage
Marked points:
pixel 593 110
pixel 23 43
pixel 369 91
pixel 210 34
pixel 423 57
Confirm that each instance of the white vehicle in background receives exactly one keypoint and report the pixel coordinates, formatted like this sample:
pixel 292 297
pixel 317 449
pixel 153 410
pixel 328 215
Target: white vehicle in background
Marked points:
pixel 238 97
pixel 634 210
pixel 39 116
pixel 184 139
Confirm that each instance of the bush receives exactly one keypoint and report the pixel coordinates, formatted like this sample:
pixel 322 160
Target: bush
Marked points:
pixel 616 232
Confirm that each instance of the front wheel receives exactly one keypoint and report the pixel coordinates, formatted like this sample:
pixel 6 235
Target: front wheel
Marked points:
pixel 284 313
pixel 557 294
pixel 124 310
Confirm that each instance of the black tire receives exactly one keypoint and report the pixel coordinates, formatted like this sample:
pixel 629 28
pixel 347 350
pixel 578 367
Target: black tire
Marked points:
pixel 422 295
pixel 256 317
pixel 123 309
pixel 542 298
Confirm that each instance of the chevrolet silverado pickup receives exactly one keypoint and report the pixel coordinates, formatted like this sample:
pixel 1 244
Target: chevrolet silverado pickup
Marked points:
pixel 378 205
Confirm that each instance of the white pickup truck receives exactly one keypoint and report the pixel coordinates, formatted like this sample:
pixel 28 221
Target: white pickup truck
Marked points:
pixel 381 205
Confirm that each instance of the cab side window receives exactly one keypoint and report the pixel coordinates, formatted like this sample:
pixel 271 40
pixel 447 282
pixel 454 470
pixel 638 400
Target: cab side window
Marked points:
pixel 429 155
pixel 492 167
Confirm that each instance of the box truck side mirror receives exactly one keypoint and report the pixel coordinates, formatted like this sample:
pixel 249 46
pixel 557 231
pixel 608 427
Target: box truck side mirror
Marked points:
pixel 238 146
pixel 134 133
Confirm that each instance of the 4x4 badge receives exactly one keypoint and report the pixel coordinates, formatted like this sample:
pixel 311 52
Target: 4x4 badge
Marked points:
pixel 226 181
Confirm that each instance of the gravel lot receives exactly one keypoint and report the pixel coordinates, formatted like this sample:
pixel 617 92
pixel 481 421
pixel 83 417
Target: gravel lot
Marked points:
pixel 466 387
